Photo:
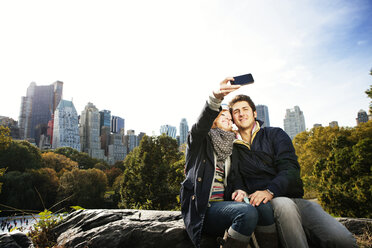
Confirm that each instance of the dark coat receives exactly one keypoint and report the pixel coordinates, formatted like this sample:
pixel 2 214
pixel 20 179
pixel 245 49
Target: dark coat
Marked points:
pixel 270 163
pixel 200 170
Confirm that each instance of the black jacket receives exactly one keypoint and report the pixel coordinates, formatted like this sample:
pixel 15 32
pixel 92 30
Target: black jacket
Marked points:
pixel 269 163
pixel 200 169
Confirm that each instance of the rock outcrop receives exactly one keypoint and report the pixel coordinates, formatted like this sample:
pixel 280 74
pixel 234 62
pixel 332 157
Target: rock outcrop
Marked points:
pixel 132 228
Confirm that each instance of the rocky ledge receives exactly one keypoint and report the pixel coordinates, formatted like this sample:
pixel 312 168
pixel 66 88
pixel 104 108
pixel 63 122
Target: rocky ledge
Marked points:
pixel 131 228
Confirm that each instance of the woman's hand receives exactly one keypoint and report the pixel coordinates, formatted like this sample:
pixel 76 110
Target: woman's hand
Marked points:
pixel 238 195
pixel 225 88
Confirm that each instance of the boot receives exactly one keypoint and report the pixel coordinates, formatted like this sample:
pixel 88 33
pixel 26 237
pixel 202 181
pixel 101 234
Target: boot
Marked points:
pixel 267 239
pixel 229 242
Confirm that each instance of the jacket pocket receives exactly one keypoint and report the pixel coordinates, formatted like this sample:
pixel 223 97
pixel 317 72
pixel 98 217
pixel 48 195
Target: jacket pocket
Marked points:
pixel 187 191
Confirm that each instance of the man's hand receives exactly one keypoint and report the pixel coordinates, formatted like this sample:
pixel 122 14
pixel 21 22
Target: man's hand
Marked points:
pixel 238 195
pixel 225 88
pixel 260 196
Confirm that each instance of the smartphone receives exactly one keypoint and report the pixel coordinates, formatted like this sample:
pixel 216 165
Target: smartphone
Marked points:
pixel 246 199
pixel 243 79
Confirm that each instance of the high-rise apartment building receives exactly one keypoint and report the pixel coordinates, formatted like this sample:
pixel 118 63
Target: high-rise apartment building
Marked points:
pixel 139 137
pixel 130 141
pixel 184 130
pixel 169 130
pixel 37 109
pixel 66 126
pixel 294 122
pixel 89 132
pixel 333 124
pixel 117 123
pixel 362 117
pixel 116 149
pixel 105 119
pixel 263 115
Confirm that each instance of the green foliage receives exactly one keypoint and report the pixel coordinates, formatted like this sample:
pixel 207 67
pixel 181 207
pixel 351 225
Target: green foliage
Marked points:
pixel 31 190
pixel 312 146
pixel 152 176
pixel 19 156
pixel 344 176
pixel 42 234
pixel 82 158
pixel 87 187
pixel 5 138
pixel 2 171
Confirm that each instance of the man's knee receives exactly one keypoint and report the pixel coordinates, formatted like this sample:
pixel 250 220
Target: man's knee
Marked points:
pixel 284 206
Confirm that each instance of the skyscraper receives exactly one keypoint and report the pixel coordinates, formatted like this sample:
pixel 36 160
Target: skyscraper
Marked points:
pixel 130 141
pixel 37 109
pixel 105 119
pixel 117 123
pixel 66 126
pixel 362 117
pixel 169 130
pixel 333 124
pixel 184 130
pixel 89 132
pixel 294 122
pixel 116 148
pixel 263 115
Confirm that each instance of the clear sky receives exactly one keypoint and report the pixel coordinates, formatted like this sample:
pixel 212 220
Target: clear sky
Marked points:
pixel 156 62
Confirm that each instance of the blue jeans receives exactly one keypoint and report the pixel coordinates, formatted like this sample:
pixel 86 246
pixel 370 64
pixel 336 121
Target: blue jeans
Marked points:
pixel 240 216
pixel 298 220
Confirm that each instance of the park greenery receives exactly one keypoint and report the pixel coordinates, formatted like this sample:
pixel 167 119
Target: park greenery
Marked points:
pixel 335 167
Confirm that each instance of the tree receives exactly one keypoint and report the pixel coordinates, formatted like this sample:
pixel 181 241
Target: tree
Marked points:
pixel 152 175
pixel 30 190
pixel 57 162
pixel 87 188
pixel 19 156
pixel 5 138
pixel 345 178
pixel 112 174
pixel 82 158
pixel 312 146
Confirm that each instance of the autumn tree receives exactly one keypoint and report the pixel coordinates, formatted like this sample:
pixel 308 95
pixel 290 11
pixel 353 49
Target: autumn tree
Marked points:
pixel 57 162
pixel 85 188
pixel 152 175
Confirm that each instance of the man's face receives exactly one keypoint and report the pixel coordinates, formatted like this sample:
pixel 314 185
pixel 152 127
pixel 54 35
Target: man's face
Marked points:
pixel 243 116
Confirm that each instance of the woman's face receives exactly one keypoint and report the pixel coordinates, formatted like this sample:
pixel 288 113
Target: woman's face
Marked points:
pixel 224 121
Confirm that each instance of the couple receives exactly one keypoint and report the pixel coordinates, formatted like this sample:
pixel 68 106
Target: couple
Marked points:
pixel 237 183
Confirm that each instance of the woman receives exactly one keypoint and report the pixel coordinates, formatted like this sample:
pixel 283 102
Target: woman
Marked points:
pixel 208 151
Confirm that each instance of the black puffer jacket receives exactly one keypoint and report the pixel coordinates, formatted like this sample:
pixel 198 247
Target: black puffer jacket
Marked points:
pixel 200 169
pixel 269 163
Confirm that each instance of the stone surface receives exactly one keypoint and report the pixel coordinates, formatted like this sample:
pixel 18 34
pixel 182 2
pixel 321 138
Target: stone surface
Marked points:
pixel 131 228
pixel 123 228
pixel 15 239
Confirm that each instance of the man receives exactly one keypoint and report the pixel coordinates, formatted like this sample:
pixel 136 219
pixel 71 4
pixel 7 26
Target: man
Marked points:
pixel 264 161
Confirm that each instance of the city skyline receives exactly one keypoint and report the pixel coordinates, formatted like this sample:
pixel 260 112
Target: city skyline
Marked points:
pixel 157 65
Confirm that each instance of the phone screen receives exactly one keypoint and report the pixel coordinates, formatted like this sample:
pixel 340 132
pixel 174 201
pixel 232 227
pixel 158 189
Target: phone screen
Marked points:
pixel 243 79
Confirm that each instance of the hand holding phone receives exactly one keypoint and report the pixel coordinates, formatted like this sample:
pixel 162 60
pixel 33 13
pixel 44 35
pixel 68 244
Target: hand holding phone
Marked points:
pixel 243 80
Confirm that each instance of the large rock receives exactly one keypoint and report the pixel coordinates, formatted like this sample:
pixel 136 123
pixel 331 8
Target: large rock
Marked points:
pixel 132 228
pixel 123 228
pixel 15 239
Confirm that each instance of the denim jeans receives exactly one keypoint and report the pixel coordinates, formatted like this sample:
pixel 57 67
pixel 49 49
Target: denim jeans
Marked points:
pixel 298 220
pixel 240 216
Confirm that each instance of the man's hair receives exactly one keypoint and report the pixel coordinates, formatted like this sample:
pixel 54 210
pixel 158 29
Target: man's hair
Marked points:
pixel 242 98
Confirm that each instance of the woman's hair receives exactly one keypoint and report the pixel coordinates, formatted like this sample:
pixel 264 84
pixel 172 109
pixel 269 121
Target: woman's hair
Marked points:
pixel 215 120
